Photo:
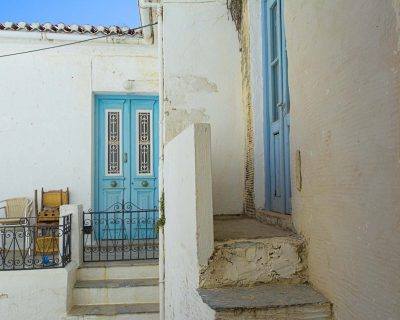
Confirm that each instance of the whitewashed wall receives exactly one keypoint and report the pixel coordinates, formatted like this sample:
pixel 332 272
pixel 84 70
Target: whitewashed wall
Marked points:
pixel 189 238
pixel 46 107
pixel 344 78
pixel 36 294
pixel 203 84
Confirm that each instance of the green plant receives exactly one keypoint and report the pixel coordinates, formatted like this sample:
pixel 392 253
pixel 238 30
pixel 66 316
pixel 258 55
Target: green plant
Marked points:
pixel 161 221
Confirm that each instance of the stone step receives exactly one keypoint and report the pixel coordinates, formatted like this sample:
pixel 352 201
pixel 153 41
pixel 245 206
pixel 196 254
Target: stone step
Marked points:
pixel 122 291
pixel 283 302
pixel 248 252
pixel 118 270
pixel 139 311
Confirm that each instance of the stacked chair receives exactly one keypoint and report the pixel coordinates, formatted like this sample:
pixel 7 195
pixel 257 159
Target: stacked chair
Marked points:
pixel 48 220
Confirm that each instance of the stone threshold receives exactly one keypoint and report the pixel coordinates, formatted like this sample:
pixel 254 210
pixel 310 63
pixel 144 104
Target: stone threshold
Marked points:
pixel 281 220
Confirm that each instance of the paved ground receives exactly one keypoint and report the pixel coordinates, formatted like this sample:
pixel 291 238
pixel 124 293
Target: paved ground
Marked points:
pixel 231 227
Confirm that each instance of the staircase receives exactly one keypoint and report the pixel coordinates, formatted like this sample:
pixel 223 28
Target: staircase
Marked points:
pixel 116 290
pixel 259 271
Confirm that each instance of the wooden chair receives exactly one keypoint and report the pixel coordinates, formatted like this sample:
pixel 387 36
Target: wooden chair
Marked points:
pixel 50 204
pixel 48 219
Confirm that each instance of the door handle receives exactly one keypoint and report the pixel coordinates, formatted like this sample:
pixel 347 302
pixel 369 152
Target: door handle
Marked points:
pixel 144 184
pixel 125 157
pixel 113 184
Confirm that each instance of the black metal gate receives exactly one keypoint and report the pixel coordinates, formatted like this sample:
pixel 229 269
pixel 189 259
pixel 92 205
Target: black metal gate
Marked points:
pixel 121 232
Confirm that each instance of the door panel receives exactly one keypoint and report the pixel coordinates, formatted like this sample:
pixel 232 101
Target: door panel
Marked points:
pixel 126 164
pixel 277 109
pixel 288 185
pixel 145 154
pixel 112 172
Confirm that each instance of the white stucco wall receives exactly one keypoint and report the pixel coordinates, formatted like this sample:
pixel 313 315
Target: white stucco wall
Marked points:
pixel 36 294
pixel 257 95
pixel 345 114
pixel 203 84
pixel 189 239
pixel 46 105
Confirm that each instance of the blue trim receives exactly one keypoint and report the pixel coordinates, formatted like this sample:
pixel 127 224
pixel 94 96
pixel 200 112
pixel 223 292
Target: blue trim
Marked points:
pixel 267 166
pixel 276 129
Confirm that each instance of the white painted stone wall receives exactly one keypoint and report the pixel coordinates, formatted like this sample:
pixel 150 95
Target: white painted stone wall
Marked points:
pixel 203 84
pixel 344 76
pixel 36 294
pixel 189 239
pixel 46 107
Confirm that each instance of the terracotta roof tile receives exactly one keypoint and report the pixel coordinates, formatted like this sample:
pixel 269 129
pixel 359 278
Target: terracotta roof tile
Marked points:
pixel 64 28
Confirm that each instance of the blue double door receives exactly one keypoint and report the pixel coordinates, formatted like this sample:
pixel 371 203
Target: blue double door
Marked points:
pixel 126 165
pixel 277 113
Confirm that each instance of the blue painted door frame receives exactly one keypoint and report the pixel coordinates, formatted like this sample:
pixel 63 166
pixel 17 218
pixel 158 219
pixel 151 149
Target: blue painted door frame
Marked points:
pixel 277 109
pixel 126 153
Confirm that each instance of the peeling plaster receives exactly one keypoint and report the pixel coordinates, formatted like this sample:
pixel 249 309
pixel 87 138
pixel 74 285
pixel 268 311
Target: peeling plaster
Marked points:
pixel 178 119
pixel 194 83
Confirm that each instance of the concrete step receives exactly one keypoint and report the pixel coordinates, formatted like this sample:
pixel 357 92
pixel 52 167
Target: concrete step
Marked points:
pixel 118 270
pixel 116 291
pixel 139 311
pixel 248 252
pixel 273 302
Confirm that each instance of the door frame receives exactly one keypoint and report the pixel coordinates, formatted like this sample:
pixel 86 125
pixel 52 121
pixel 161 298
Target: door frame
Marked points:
pixel 267 116
pixel 95 145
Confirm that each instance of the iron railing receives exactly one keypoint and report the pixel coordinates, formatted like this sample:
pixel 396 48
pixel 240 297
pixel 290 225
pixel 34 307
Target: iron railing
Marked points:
pixel 29 245
pixel 121 232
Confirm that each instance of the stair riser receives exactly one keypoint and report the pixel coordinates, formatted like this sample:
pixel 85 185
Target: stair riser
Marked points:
pixel 309 312
pixel 140 294
pixel 249 262
pixel 140 316
pixel 128 272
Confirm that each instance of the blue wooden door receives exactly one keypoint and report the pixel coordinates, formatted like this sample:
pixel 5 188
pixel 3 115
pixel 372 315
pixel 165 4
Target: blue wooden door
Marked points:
pixel 126 164
pixel 277 109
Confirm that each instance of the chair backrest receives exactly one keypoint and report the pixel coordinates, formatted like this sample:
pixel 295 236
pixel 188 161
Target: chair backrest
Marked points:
pixel 54 198
pixel 18 207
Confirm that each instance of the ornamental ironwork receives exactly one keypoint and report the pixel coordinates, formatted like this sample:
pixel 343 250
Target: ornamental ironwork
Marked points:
pixel 113 143
pixel 29 245
pixel 121 232
pixel 144 142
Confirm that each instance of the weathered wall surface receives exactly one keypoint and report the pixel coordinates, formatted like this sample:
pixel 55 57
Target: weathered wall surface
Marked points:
pixel 36 294
pixel 248 108
pixel 46 107
pixel 245 263
pixel 203 84
pixel 257 98
pixel 345 112
pixel 189 238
